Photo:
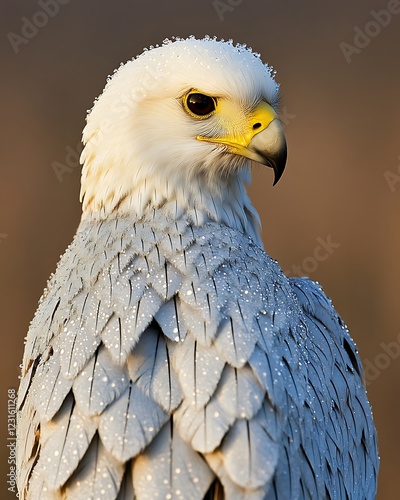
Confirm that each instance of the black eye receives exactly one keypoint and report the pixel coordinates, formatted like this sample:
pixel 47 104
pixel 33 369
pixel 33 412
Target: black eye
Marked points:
pixel 200 104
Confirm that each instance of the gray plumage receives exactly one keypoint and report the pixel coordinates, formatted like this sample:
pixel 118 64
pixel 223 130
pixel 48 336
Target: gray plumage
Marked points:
pixel 266 374
pixel 171 358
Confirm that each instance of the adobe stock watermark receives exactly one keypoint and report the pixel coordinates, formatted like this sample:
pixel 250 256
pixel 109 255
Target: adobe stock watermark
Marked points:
pixel 309 265
pixel 286 117
pixel 392 178
pixel 362 37
pixel 3 236
pixel 124 106
pixel 71 162
pixel 11 441
pixel 222 7
pixel 30 27
pixel 382 361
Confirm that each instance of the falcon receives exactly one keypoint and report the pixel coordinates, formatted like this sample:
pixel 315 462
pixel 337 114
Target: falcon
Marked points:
pixel 170 357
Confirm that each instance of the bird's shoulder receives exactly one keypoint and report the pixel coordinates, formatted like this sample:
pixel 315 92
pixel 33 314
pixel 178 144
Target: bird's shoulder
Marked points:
pixel 338 414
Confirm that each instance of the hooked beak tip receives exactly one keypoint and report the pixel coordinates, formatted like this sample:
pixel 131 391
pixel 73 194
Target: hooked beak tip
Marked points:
pixel 271 149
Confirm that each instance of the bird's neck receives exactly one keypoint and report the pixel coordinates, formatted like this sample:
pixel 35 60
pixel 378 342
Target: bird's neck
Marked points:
pixel 227 204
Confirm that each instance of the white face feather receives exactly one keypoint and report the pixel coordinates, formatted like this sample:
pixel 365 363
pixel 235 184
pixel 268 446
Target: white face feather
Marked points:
pixel 140 143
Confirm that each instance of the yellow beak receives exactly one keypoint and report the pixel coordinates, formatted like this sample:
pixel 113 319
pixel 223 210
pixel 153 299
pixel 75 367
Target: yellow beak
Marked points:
pixel 259 136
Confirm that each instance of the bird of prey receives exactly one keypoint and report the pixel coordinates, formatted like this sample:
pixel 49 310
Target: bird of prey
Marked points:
pixel 170 357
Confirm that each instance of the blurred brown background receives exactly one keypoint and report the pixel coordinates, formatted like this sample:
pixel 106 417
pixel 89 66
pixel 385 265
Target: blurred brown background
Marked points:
pixel 342 180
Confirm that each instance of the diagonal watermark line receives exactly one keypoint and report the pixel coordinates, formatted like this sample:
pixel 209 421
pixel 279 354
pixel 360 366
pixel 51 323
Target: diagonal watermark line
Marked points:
pixel 392 178
pixel 381 362
pixel 30 27
pixel 309 265
pixel 71 162
pixel 373 28
pixel 222 7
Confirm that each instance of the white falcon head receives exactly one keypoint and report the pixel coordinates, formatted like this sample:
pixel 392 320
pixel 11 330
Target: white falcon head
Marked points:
pixel 180 123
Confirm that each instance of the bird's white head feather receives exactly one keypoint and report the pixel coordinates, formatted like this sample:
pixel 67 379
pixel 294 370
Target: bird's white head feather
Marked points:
pixel 140 145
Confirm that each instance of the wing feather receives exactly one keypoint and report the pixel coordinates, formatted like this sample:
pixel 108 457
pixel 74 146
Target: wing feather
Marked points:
pixel 97 475
pixel 130 423
pixel 99 383
pixel 198 368
pixel 170 468
pixel 151 370
pixel 64 441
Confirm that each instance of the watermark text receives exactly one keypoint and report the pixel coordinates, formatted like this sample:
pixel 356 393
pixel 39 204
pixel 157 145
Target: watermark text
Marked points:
pixel 11 441
pixel 363 36
pixel 321 252
pixel 30 26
